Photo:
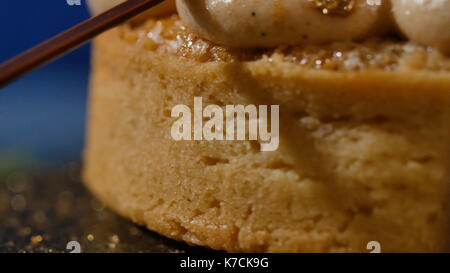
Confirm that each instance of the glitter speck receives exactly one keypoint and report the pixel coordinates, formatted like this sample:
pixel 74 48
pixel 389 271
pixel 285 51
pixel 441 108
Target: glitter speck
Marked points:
pixel 90 237
pixel 318 63
pixel 36 239
pixel 115 239
pixel 334 7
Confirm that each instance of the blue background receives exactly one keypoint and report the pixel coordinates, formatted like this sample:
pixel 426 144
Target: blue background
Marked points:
pixel 42 115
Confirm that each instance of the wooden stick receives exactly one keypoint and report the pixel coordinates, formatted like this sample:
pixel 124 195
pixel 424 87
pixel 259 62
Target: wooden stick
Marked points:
pixel 71 39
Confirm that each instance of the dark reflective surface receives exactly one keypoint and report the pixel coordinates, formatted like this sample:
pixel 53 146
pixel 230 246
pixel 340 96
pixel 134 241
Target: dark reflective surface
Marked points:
pixel 41 211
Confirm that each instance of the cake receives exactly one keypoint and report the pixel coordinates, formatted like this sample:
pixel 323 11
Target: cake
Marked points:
pixel 364 130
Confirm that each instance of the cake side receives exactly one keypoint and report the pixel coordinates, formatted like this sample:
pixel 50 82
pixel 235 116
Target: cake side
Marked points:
pixel 362 154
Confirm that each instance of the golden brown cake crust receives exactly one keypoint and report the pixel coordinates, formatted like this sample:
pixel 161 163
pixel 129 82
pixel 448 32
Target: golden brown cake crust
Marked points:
pixel 390 53
pixel 364 154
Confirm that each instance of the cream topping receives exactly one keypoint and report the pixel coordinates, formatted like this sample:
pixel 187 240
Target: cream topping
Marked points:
pixel 269 23
pixel 262 23
pixel 424 21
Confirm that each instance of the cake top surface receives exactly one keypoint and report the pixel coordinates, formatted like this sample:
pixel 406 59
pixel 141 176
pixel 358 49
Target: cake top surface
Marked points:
pixel 262 23
pixel 170 35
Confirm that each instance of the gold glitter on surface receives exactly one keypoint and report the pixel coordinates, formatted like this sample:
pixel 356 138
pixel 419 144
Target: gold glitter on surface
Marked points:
pixel 115 239
pixel 35 240
pixel 58 210
pixel 334 7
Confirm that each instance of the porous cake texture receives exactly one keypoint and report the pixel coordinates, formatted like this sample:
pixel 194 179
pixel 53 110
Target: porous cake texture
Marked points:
pixel 364 151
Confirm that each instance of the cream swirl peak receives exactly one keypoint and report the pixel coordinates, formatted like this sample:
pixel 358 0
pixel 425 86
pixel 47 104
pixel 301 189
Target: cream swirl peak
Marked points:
pixel 269 23
pixel 424 21
pixel 262 23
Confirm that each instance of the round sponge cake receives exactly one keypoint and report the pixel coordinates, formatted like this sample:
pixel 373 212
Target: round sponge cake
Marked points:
pixel 364 150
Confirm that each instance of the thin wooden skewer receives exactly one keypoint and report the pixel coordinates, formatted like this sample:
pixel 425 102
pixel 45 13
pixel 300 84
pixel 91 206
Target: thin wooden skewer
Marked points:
pixel 71 39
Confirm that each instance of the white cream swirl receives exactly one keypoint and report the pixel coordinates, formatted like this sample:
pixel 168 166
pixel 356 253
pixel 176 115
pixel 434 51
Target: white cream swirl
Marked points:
pixel 262 23
pixel 269 23
pixel 424 21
